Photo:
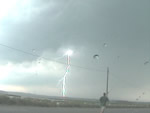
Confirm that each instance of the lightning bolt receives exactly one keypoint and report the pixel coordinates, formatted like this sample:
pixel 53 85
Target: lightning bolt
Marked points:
pixel 63 80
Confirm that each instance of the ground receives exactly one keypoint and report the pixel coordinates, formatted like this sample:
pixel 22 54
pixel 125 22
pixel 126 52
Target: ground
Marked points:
pixel 22 109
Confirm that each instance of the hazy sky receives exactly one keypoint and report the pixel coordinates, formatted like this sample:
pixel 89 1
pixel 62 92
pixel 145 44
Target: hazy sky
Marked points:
pixel 117 30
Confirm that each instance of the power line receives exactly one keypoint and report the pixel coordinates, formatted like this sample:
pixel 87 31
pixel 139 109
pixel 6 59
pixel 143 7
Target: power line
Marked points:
pixel 85 68
pixel 36 55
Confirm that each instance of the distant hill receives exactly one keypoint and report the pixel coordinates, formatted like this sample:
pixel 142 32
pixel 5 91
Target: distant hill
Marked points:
pixel 27 99
pixel 30 95
pixel 3 92
pixel 20 98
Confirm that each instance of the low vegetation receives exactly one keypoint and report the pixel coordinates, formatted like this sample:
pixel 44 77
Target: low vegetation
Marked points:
pixel 18 100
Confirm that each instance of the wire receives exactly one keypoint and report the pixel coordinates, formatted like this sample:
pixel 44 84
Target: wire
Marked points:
pixel 36 55
pixel 85 68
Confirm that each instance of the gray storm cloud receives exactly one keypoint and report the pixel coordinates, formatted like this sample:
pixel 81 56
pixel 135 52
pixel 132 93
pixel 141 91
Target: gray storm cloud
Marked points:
pixel 117 31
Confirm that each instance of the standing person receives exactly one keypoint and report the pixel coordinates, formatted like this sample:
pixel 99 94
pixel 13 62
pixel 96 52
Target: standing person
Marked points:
pixel 103 102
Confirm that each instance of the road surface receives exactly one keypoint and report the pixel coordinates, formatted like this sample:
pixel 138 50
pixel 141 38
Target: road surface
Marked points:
pixel 21 109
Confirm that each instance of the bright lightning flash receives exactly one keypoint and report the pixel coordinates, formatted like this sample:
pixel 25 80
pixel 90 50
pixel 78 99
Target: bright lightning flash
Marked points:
pixel 68 54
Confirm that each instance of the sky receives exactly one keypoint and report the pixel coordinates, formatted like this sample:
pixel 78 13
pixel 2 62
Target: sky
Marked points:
pixel 35 34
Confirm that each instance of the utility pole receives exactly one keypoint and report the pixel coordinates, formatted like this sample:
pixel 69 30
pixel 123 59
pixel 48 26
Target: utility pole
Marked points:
pixel 107 83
